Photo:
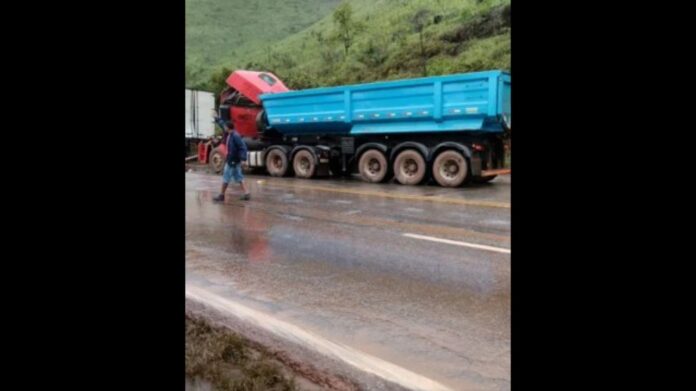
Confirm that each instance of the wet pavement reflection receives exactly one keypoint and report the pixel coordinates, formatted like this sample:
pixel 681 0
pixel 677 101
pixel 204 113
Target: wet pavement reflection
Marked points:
pixel 330 256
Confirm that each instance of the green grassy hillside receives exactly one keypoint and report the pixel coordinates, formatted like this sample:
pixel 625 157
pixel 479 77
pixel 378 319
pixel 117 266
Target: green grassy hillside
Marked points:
pixel 224 32
pixel 381 40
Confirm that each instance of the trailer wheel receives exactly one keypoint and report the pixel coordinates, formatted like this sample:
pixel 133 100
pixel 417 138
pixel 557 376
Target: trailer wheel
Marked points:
pixel 276 162
pixel 217 161
pixel 304 165
pixel 373 166
pixel 450 169
pixel 409 167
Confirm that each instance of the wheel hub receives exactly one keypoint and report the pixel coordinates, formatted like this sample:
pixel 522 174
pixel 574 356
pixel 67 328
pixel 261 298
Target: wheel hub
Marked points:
pixel 304 164
pixel 450 169
pixel 410 167
pixel 374 166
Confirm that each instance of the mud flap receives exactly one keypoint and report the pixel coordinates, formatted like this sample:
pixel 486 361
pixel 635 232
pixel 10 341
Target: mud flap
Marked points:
pixel 323 155
pixel 476 166
pixel 323 169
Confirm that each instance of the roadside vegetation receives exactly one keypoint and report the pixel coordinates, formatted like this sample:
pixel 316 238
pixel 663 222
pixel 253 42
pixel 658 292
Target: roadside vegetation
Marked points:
pixel 360 41
pixel 227 361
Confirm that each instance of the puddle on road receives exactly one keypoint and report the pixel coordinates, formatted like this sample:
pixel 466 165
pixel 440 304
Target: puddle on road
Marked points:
pixel 291 217
pixel 497 223
pixel 344 202
pixel 289 198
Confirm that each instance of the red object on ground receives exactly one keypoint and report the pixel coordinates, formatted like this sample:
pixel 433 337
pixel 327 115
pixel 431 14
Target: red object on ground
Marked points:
pixel 203 149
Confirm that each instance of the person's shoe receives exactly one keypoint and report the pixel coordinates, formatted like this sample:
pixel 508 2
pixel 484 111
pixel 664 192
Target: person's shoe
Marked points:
pixel 245 197
pixel 219 198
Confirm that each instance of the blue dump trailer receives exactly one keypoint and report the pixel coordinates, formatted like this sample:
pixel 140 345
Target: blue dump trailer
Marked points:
pixel 450 129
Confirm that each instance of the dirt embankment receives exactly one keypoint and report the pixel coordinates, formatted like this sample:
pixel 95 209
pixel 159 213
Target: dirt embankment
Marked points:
pixel 218 359
pixel 221 360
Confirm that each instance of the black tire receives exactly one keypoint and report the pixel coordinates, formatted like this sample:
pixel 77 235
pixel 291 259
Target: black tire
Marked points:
pixel 450 169
pixel 303 164
pixel 217 161
pixel 484 179
pixel 373 166
pixel 277 162
pixel 409 167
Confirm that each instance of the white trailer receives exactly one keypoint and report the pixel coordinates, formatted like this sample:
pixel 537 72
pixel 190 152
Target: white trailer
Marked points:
pixel 200 112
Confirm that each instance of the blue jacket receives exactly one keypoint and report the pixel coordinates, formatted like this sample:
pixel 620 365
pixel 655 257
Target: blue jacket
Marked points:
pixel 236 148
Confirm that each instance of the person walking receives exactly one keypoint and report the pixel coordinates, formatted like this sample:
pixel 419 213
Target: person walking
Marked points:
pixel 236 157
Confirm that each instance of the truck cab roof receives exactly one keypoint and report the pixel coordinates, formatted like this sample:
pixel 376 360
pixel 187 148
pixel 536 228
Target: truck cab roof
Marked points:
pixel 252 84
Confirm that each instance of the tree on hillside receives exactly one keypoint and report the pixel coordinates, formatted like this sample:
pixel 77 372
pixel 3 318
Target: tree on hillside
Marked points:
pixel 375 52
pixel 419 21
pixel 346 26
pixel 441 6
pixel 217 82
pixel 326 48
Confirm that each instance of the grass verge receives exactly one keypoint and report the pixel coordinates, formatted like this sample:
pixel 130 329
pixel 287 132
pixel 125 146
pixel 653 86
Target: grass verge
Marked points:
pixel 228 362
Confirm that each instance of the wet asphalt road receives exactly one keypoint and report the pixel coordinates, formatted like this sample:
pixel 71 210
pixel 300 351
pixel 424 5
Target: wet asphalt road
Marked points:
pixel 331 257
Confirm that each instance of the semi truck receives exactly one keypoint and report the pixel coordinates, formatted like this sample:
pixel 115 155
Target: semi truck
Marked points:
pixel 450 129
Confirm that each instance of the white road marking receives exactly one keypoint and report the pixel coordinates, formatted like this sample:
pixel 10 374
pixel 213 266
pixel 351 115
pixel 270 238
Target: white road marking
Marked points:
pixel 360 360
pixel 458 243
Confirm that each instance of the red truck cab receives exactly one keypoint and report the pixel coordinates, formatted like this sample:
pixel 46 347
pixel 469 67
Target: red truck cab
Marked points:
pixel 240 101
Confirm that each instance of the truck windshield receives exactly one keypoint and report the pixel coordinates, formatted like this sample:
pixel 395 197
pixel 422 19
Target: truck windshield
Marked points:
pixel 267 78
